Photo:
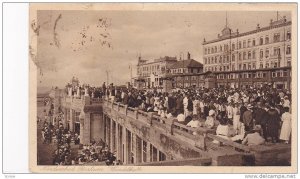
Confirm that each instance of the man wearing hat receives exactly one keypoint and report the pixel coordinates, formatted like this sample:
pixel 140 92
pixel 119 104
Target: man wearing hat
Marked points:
pixel 248 118
pixel 254 137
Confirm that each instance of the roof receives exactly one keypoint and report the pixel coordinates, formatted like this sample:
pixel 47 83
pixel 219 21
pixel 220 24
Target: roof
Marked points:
pixel 161 59
pixel 191 63
pixel 234 35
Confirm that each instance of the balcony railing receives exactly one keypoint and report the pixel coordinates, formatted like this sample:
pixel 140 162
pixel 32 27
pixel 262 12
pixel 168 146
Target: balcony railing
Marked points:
pixel 200 137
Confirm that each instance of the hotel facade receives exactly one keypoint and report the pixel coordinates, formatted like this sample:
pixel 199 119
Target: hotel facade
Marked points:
pixel 251 58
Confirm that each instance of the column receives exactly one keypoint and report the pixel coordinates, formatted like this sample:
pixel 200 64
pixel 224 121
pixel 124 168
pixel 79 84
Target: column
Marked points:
pixel 149 153
pixel 125 144
pixel 133 140
pixel 71 124
pixel 65 122
pixel 112 136
pixel 87 129
pixel 81 135
pixel 118 142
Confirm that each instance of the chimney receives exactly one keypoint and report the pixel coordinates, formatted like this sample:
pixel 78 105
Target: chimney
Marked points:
pixel 204 40
pixel 257 27
pixel 237 31
pixel 188 56
pixel 284 18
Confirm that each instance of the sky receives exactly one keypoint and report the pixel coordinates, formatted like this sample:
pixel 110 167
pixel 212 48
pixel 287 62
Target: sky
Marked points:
pixel 91 44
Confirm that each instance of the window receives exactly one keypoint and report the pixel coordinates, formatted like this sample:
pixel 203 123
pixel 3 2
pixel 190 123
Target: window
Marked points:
pixel 267 53
pixel 205 51
pixel 240 45
pixel 224 59
pixel 249 66
pixel 228 59
pixel 273 74
pixel 288 63
pixel 220 61
pixel 244 44
pixel 226 47
pixel 244 55
pixel 221 48
pixel 212 50
pixel 261 54
pixel 276 37
pixel 233 46
pixel 285 73
pixel 264 75
pixel 267 40
pixel 253 42
pixel 249 55
pixel 208 51
pixel 276 51
pixel 205 61
pixel 253 66
pixel 253 75
pixel 253 54
pixel 275 65
pixel 233 68
pixel 208 60
pixel 249 43
pixel 288 49
pixel 215 48
pixel 288 35
pixel 261 65
pixel 233 57
pixel 240 56
pixel 240 67
pixel 244 67
pixel 261 41
pixel 267 65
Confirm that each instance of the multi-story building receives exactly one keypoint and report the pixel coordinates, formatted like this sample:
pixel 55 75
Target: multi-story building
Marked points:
pixel 151 73
pixel 186 66
pixel 255 58
pixel 266 47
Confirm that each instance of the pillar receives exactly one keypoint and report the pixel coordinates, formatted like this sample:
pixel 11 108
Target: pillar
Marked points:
pixel 87 129
pixel 149 153
pixel 134 147
pixel 81 135
pixel 71 124
pixel 118 142
pixel 125 145
pixel 112 136
pixel 65 122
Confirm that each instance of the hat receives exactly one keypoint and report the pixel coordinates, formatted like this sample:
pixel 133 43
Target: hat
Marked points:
pixel 211 112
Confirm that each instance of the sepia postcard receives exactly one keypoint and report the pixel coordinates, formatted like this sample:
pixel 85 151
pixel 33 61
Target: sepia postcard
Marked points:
pixel 163 88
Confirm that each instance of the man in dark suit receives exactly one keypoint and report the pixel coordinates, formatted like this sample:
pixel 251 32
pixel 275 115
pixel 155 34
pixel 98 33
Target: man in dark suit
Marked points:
pixel 260 117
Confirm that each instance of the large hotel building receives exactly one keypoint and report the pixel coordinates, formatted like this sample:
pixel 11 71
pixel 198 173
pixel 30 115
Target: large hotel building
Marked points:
pixel 238 60
pixel 255 57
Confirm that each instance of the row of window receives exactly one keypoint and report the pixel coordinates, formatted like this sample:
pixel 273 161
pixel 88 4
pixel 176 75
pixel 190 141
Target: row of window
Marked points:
pixel 245 66
pixel 246 44
pixel 281 73
pixel 150 68
pixel 246 55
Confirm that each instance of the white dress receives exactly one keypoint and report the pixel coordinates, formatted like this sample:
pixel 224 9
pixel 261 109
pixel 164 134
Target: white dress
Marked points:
pixel 286 126
pixel 195 107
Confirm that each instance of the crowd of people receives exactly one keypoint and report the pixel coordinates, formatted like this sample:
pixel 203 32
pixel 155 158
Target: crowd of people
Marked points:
pixel 234 113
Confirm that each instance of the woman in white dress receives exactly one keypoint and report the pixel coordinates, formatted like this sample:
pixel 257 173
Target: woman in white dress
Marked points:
pixel 286 127
pixel 236 117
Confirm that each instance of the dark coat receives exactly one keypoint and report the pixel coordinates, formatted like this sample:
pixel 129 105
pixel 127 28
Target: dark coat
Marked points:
pixel 273 123
pixel 260 116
